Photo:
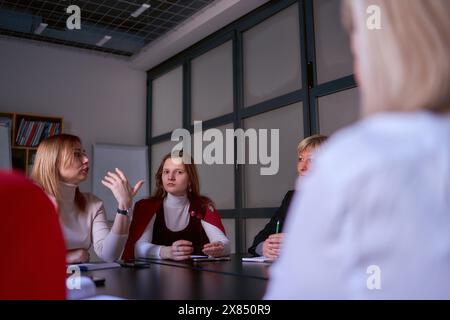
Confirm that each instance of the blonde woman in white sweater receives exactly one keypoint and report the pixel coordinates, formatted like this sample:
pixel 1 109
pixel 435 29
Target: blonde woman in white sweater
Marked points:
pixel 61 164
pixel 372 218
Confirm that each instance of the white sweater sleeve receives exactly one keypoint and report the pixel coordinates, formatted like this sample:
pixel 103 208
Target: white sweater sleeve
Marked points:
pixel 107 244
pixel 215 234
pixel 143 247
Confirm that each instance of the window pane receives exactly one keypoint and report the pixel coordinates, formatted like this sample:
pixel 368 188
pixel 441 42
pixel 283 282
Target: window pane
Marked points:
pixel 338 110
pixel 167 102
pixel 333 54
pixel 217 180
pixel 272 57
pixel 268 190
pixel 212 83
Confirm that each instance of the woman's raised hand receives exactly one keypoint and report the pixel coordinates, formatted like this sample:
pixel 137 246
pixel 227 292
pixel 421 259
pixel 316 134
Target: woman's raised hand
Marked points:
pixel 117 182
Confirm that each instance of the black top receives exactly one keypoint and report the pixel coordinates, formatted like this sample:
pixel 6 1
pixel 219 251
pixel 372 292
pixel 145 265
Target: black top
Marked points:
pixel 271 226
pixel 194 232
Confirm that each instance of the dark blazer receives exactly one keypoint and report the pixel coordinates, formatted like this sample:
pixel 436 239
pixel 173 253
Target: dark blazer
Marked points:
pixel 271 226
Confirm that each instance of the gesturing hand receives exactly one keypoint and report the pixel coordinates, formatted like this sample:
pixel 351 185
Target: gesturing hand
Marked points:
pixel 117 182
pixel 214 249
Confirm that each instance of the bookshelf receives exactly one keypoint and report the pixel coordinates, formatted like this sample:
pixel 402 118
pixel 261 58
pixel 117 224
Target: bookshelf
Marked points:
pixel 27 131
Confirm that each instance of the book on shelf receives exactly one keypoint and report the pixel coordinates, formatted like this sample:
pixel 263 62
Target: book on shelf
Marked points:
pixel 30 133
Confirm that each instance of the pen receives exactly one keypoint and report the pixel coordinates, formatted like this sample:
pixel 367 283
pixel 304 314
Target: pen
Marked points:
pixel 277 230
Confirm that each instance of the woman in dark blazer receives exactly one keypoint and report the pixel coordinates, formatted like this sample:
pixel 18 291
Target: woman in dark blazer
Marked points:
pixel 268 241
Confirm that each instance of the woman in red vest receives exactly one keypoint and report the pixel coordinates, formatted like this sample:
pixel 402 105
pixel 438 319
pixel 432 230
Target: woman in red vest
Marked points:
pixel 176 221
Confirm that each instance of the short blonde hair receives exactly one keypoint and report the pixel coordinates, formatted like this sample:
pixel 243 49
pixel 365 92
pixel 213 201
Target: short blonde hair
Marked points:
pixel 404 66
pixel 51 154
pixel 311 142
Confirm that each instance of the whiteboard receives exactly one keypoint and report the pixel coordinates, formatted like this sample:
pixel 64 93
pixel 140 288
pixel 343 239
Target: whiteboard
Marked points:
pixel 5 147
pixel 132 160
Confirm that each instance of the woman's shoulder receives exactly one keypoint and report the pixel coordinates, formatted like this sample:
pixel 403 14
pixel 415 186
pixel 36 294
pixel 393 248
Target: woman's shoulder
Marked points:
pixel 385 136
pixel 202 205
pixel 92 201
pixel 288 196
pixel 148 203
pixel 352 151
pixel 91 197
pixel 144 209
pixel 207 203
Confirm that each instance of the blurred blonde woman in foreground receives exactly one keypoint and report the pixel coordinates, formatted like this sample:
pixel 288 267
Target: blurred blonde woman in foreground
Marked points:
pixel 372 220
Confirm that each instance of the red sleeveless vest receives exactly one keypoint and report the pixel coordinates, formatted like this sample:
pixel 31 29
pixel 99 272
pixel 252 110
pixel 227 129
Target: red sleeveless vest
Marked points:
pixel 145 209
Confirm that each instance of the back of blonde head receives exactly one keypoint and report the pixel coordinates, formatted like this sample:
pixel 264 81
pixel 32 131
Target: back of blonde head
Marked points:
pixel 404 66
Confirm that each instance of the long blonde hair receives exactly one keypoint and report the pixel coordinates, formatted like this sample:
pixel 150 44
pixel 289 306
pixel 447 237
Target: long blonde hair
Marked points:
pixel 51 154
pixel 404 66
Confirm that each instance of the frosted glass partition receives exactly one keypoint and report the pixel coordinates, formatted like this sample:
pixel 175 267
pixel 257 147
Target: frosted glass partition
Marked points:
pixel 230 230
pixel 252 228
pixel 217 180
pixel 338 110
pixel 333 53
pixel 167 102
pixel 212 83
pixel 272 57
pixel 268 190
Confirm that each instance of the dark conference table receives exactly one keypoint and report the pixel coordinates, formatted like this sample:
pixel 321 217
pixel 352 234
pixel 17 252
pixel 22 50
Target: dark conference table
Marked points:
pixel 164 279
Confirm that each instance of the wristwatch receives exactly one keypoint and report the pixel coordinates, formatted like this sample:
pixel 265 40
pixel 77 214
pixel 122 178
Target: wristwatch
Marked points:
pixel 125 212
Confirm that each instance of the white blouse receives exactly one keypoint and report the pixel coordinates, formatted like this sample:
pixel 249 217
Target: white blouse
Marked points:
pixel 82 229
pixel 372 219
pixel 176 217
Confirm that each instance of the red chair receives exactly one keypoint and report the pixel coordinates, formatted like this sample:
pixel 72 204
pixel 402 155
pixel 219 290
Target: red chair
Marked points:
pixel 32 249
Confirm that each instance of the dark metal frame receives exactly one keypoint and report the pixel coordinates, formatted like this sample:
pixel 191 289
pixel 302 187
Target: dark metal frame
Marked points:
pixel 308 94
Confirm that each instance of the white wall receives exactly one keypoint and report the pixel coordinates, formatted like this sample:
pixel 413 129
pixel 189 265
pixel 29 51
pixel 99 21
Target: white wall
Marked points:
pixel 101 99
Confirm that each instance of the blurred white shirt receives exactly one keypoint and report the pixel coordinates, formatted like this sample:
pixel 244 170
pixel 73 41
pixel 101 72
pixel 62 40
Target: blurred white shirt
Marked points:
pixel 374 212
